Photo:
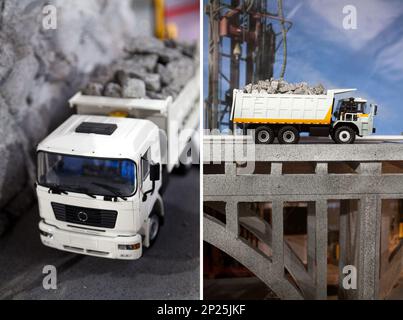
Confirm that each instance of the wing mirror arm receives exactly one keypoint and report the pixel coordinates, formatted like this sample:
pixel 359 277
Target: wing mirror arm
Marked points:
pixel 155 169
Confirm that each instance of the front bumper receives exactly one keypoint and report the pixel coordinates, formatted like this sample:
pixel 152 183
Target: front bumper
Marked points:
pixel 93 245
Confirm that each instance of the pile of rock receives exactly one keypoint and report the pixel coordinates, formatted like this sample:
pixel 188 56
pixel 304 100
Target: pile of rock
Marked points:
pixel 274 86
pixel 151 68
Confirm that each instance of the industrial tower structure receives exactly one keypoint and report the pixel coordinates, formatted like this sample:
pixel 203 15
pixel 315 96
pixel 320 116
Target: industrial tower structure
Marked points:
pixel 242 48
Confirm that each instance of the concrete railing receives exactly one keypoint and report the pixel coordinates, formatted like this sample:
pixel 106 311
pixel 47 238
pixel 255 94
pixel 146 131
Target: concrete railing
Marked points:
pixel 236 171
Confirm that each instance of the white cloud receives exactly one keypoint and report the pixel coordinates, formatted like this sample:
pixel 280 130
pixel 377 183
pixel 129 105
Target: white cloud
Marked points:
pixel 389 62
pixel 373 17
pixel 294 10
pixel 299 70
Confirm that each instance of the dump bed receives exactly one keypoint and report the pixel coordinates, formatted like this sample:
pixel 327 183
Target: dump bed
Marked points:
pixel 178 118
pixel 283 108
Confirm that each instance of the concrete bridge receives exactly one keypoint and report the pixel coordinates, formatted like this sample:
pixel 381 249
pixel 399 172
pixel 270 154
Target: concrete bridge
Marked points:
pixel 360 178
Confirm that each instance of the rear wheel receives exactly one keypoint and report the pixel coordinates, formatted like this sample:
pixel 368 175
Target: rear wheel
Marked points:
pixel 264 135
pixel 288 135
pixel 344 135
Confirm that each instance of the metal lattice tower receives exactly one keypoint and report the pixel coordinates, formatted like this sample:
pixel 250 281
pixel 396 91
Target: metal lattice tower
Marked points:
pixel 242 48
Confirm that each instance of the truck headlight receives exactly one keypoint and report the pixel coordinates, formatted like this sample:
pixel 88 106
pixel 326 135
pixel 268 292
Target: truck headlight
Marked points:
pixel 46 234
pixel 135 246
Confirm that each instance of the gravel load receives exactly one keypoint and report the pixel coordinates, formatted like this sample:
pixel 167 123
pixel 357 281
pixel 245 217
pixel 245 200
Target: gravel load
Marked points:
pixel 151 68
pixel 279 86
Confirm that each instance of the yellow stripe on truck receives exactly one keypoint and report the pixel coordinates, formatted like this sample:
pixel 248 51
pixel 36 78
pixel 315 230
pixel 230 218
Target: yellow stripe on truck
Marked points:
pixel 326 120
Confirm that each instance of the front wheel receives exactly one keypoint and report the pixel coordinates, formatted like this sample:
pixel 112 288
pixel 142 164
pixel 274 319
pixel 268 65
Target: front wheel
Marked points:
pixel 344 135
pixel 154 227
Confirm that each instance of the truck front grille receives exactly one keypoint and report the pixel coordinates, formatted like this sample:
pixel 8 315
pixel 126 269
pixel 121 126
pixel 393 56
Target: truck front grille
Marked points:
pixel 85 216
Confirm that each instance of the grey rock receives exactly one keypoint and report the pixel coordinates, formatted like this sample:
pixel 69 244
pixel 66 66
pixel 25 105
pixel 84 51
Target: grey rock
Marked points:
pixel 169 54
pixel 12 162
pixel 152 81
pixel 6 58
pixel 17 87
pixel 181 70
pixel 60 69
pixel 274 85
pixel 166 75
pixel 145 45
pixel 188 49
pixel 270 90
pixel 147 61
pixel 94 89
pixel 122 75
pixel 102 74
pixel 300 91
pixel 248 88
pixel 170 92
pixel 133 88
pixel 319 89
pixel 156 95
pixel 281 86
pixel 113 90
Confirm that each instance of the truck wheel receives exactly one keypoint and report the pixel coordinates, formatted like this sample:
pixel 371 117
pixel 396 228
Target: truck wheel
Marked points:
pixel 154 227
pixel 344 135
pixel 264 135
pixel 288 135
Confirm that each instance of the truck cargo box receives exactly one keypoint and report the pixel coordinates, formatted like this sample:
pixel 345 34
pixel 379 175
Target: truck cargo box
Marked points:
pixel 178 118
pixel 283 108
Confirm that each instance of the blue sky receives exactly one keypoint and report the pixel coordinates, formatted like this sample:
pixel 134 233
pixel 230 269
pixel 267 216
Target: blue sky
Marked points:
pixel 369 58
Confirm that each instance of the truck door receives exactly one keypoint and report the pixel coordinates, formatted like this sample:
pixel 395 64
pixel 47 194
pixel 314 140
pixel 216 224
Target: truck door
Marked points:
pixel 146 184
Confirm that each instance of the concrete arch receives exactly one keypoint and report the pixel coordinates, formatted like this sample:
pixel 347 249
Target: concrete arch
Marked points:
pixel 216 234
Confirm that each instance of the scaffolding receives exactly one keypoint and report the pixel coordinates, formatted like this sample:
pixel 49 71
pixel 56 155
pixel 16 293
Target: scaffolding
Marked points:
pixel 243 43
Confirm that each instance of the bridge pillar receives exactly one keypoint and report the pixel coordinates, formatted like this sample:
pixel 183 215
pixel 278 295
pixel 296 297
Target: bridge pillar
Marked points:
pixel 277 237
pixel 369 245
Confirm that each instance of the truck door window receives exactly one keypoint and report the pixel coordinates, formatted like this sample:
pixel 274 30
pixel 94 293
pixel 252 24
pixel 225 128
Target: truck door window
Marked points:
pixel 145 164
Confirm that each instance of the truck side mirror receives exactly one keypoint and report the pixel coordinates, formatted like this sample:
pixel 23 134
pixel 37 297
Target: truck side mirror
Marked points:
pixel 376 110
pixel 154 176
pixel 155 172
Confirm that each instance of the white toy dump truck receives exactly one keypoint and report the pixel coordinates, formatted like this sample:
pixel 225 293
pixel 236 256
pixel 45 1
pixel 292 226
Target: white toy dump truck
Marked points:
pixel 100 172
pixel 285 116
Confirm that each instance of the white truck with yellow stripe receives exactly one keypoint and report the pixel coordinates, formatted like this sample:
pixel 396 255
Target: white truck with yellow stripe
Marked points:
pixel 285 116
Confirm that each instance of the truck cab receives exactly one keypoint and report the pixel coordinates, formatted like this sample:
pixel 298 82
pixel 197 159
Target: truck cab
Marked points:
pixel 97 184
pixel 352 117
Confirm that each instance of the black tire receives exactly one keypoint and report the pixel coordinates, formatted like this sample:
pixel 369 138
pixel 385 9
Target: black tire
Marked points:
pixel 344 135
pixel 155 226
pixel 288 135
pixel 264 135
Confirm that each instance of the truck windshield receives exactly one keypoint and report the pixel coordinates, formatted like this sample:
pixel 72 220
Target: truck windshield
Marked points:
pixel 96 176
